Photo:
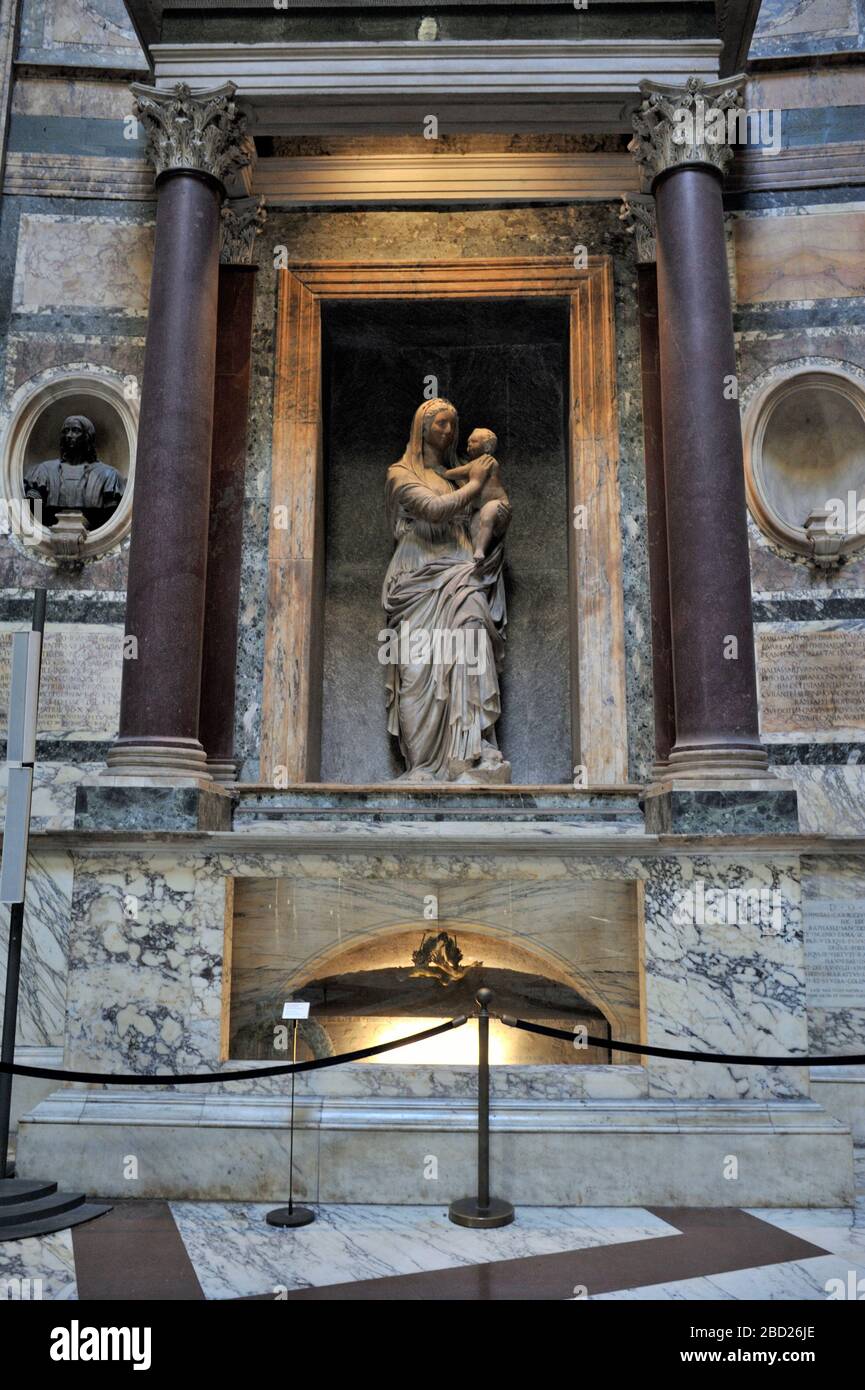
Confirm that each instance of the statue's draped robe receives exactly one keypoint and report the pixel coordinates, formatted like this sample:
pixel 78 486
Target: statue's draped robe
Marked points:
pixel 439 709
pixel 101 485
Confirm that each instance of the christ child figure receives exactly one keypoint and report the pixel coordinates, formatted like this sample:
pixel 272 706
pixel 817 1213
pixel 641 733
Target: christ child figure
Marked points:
pixel 491 510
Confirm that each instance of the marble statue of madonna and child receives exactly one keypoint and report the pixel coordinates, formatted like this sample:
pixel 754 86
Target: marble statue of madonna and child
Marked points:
pixel 443 597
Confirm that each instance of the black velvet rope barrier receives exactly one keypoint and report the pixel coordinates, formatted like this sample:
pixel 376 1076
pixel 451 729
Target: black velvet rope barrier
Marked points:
pixel 643 1049
pixel 246 1074
pixel 285 1069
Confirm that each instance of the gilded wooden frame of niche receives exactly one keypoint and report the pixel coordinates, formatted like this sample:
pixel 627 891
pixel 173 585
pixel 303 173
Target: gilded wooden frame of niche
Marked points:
pixel 291 702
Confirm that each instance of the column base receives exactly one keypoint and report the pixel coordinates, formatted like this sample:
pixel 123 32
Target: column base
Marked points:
pixel 165 758
pixel 764 805
pixel 697 763
pixel 223 770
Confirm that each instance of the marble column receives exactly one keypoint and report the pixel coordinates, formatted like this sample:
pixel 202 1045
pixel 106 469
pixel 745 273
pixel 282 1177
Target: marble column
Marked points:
pixel 195 141
pixel 242 222
pixel 682 143
pixel 638 216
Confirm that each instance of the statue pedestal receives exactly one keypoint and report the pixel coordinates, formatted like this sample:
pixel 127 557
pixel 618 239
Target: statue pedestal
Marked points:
pixel 68 535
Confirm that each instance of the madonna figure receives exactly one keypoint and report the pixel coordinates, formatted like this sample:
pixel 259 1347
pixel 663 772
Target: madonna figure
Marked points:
pixel 445 612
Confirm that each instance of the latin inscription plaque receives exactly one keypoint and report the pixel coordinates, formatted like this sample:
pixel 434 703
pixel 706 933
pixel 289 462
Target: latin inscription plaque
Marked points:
pixel 835 953
pixel 79 695
pixel 812 681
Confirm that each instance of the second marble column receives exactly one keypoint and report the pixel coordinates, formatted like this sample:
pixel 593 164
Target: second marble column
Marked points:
pixel 195 139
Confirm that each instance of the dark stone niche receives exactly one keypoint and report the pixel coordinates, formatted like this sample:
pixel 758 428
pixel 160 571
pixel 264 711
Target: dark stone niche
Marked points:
pixel 504 364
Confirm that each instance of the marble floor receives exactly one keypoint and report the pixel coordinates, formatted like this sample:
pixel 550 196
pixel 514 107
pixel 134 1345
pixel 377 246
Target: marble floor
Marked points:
pixel 224 1251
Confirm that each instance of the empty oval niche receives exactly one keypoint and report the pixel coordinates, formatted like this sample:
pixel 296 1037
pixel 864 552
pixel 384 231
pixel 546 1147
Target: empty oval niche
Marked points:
pixel 805 452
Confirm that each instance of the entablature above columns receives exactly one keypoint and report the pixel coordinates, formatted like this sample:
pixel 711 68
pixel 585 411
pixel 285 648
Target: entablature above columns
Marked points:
pixel 292 88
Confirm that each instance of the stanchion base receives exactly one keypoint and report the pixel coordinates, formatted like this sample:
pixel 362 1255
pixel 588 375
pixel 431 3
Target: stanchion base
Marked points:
pixel 297 1216
pixel 466 1212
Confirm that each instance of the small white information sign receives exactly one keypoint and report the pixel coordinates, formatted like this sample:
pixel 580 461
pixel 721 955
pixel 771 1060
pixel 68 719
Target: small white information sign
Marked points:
pixel 295 1009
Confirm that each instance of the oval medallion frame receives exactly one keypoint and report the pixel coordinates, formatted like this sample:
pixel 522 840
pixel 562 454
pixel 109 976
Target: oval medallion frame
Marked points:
pixel 780 388
pixel 108 395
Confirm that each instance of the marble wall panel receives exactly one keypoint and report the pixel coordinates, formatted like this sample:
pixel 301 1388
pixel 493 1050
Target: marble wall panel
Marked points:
pixel 54 787
pixel 42 994
pixel 71 97
pixel 145 963
pixel 95 33
pixel 807 27
pixel 73 262
pixel 8 15
pixel 733 986
pixel 146 960
pixel 819 255
pixel 782 18
pixel 831 799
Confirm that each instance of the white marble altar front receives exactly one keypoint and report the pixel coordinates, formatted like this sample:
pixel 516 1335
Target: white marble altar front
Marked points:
pixel 149 981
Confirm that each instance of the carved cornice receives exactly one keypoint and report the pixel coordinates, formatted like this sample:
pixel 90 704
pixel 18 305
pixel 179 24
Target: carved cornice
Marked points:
pixel 638 216
pixel 243 221
pixel 694 124
pixel 196 129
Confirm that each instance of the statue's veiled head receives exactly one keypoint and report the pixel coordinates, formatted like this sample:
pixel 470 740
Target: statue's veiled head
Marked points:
pixel 440 426
pixel 432 443
pixel 78 440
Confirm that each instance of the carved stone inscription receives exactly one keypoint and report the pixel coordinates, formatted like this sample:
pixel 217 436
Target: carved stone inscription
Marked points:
pixel 811 680
pixel 79 695
pixel 835 953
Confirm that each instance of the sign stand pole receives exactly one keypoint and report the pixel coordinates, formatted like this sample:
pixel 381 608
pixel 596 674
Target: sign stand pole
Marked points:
pixel 291 1215
pixel 21 756
pixel 27 1206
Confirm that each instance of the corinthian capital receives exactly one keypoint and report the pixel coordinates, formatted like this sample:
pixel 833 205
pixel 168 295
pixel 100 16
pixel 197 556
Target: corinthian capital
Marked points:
pixel 195 129
pixel 243 221
pixel 637 214
pixel 695 124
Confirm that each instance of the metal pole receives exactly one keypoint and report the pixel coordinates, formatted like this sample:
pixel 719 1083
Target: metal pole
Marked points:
pixel 10 1019
pixel 291 1134
pixel 291 1215
pixel 13 967
pixel 483 1103
pixel 482 1211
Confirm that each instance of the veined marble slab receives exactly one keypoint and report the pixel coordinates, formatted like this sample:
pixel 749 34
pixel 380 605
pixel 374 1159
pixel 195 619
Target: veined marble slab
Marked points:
pixel 726 983
pixel 38 1268
pixel 147 946
pixel 831 798
pixel 793 1281
pixel 235 1253
pixel 68 262
pixel 42 991
pixel 54 787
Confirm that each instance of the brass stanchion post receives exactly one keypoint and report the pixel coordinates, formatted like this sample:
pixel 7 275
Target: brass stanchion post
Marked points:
pixel 482 1211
